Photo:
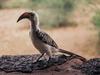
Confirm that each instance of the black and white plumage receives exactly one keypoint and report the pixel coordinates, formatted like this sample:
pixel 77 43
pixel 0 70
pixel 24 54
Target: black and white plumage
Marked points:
pixel 41 40
pixel 44 37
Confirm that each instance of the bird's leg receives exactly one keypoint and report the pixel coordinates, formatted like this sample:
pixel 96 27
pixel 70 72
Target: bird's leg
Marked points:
pixel 40 57
pixel 51 52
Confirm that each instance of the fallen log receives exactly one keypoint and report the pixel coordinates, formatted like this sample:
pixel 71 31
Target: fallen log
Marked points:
pixel 60 64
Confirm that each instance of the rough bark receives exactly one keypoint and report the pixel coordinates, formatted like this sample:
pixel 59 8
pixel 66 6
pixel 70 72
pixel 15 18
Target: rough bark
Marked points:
pixel 58 65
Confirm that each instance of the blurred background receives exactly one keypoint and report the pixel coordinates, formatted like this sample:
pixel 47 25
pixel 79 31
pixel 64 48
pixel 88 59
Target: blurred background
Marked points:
pixel 74 24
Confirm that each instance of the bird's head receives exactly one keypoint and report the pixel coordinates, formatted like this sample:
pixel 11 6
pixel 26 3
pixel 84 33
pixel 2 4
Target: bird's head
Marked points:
pixel 32 16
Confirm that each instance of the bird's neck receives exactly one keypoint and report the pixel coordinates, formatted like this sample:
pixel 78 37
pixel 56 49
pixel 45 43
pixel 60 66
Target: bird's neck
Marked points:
pixel 34 25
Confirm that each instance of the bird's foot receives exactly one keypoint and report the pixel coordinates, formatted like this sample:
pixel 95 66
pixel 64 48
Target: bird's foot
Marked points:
pixel 51 61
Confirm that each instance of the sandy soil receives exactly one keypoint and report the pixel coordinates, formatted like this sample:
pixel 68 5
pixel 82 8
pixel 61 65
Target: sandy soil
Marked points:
pixel 15 40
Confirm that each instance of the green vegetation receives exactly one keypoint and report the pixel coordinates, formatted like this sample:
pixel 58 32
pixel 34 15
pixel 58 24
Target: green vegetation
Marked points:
pixel 16 4
pixel 96 21
pixel 57 12
pixel 0 5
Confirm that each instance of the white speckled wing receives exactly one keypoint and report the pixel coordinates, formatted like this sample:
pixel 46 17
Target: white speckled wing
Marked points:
pixel 44 37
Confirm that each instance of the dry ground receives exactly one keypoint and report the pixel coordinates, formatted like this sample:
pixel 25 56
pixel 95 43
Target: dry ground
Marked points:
pixel 14 37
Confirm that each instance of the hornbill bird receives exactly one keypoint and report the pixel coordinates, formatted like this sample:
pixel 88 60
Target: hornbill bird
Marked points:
pixel 41 40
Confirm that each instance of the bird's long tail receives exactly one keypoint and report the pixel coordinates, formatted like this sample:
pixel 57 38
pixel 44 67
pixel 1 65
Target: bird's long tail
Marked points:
pixel 73 55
